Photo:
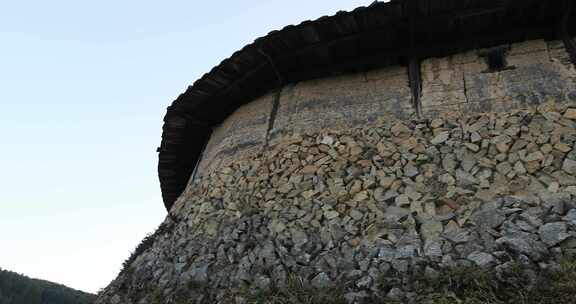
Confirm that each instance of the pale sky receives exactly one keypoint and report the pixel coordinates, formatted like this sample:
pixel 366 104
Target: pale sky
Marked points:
pixel 84 86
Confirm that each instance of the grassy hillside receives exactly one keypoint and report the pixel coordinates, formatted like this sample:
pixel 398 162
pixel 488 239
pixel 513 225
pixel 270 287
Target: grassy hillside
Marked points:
pixel 19 289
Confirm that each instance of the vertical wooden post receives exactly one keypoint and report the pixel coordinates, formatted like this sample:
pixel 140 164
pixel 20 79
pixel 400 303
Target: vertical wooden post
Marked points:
pixel 200 157
pixel 414 73
pixel 563 32
pixel 415 79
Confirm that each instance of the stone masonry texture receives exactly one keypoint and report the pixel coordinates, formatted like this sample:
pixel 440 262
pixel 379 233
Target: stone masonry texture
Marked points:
pixel 347 183
pixel 537 71
pixel 241 133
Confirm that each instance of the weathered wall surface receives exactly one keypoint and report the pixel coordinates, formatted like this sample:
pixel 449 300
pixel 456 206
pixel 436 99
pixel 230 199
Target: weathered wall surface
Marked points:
pixel 338 180
pixel 536 71
pixel 345 102
pixel 241 134
pixel 366 207
pixel 339 102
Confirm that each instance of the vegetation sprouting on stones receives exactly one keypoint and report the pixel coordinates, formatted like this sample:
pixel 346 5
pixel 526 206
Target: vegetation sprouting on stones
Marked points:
pixel 146 243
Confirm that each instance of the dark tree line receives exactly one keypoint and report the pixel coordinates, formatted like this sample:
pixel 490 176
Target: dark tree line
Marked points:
pixel 19 289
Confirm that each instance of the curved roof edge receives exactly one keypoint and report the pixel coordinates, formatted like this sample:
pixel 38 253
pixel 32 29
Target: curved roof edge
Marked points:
pixel 382 34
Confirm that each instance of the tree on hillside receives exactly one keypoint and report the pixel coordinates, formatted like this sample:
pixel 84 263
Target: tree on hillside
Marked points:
pixel 19 289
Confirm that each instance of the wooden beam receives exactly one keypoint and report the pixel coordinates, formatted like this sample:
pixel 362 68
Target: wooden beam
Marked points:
pixel 415 80
pixel 564 32
pixel 414 73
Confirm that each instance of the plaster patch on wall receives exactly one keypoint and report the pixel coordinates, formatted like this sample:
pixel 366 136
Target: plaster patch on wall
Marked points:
pixel 242 133
pixel 443 82
pixel 536 72
pixel 345 101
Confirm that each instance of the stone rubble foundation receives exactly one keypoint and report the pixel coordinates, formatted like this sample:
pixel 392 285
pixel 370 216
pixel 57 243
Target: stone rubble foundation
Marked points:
pixel 363 205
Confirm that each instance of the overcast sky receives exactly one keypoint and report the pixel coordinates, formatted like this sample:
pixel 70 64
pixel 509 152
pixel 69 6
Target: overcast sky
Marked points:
pixel 84 86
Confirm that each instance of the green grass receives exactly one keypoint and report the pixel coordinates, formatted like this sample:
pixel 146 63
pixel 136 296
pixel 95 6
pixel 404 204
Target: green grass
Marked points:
pixel 514 283
pixel 146 244
pixel 297 292
pixel 469 285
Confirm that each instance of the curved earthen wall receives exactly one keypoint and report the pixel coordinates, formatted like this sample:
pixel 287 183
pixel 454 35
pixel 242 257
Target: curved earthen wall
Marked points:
pixel 334 103
pixel 536 72
pixel 343 182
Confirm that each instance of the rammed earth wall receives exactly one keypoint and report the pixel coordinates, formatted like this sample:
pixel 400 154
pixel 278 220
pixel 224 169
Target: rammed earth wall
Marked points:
pixel 335 103
pixel 536 71
pixel 340 181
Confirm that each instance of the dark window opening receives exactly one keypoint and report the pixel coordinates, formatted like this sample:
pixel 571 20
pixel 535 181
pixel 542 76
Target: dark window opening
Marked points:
pixel 496 60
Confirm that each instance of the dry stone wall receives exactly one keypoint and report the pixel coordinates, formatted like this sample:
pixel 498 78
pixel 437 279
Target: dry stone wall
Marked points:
pixel 370 204
pixel 339 181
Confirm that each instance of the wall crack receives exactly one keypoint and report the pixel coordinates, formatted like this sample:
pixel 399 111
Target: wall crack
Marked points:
pixel 272 117
pixel 415 82
pixel 569 43
pixel 465 87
